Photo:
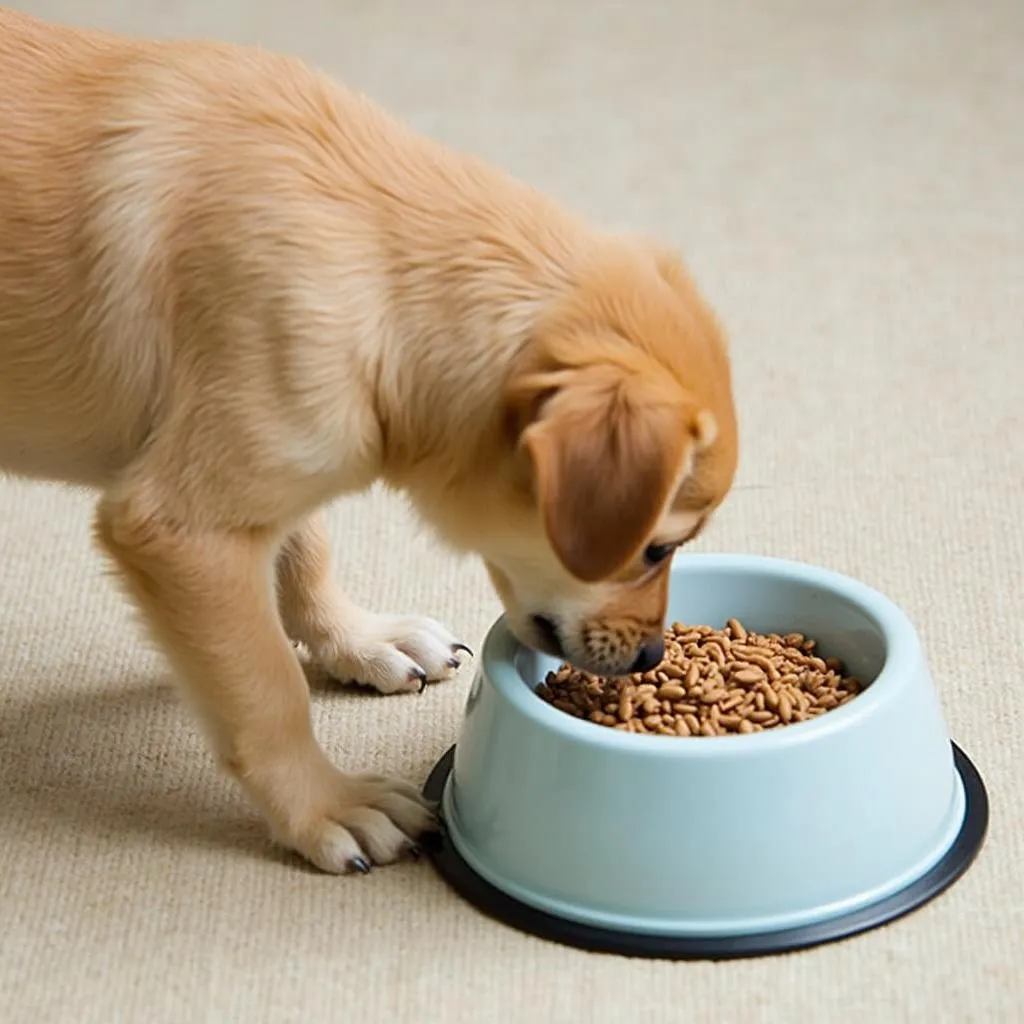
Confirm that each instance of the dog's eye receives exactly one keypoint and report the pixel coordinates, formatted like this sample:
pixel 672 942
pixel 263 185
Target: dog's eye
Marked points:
pixel 654 554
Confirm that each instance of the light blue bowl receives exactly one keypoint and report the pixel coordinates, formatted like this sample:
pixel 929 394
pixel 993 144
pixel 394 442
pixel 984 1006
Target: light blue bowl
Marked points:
pixel 713 836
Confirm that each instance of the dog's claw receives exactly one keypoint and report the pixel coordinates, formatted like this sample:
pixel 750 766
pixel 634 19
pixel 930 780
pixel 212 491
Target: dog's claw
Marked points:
pixel 360 864
pixel 454 663
pixel 459 646
pixel 421 676
pixel 414 851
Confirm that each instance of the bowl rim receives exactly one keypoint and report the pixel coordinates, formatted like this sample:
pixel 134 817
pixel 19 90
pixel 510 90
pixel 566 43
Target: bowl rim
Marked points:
pixel 902 652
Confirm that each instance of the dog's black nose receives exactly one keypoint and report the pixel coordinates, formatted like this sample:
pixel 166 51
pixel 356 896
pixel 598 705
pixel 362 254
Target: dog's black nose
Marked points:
pixel 650 655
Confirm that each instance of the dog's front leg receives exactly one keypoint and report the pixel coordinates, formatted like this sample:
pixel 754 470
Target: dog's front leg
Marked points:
pixel 392 653
pixel 209 599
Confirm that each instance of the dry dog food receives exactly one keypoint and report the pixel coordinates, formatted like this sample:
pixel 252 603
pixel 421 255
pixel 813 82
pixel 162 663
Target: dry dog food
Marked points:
pixel 712 682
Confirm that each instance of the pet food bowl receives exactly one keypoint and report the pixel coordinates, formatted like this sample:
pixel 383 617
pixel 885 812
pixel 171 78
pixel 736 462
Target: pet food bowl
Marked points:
pixel 714 846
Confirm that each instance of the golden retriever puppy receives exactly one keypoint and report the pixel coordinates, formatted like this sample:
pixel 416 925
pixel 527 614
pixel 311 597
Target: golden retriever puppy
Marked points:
pixel 231 290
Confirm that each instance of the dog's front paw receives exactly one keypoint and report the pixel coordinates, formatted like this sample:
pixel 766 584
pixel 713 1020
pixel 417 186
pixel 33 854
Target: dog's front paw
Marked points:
pixel 395 654
pixel 356 822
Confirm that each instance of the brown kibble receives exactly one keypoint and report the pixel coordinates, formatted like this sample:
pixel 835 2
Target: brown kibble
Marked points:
pixel 736 630
pixel 785 708
pixel 747 676
pixel 740 651
pixel 711 683
pixel 765 664
pixel 716 652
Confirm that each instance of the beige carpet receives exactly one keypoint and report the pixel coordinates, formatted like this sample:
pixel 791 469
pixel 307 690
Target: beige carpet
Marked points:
pixel 847 181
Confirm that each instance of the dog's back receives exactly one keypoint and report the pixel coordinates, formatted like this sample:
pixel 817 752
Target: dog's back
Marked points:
pixel 64 398
pixel 149 193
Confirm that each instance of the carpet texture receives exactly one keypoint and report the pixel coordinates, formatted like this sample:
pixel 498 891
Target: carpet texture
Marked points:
pixel 846 181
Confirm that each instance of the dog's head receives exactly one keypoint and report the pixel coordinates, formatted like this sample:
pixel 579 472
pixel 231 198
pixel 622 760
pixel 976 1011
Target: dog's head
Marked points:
pixel 622 438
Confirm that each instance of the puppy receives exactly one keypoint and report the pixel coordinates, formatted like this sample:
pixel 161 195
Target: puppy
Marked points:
pixel 231 290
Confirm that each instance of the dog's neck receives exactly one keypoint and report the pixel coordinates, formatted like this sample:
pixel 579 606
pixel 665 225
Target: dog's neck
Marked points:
pixel 475 272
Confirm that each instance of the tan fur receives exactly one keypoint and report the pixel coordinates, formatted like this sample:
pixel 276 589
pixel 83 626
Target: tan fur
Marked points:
pixel 231 290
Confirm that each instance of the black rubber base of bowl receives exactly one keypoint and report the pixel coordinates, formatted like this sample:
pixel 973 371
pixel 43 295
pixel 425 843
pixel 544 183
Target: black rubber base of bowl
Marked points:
pixel 504 908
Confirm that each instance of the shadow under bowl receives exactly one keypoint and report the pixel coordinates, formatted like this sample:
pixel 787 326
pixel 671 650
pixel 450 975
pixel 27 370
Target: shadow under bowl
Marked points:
pixel 714 846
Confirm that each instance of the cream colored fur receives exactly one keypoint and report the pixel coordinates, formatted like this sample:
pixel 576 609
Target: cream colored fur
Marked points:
pixel 231 290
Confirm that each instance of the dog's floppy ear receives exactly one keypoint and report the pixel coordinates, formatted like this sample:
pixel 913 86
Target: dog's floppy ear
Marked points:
pixel 607 447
